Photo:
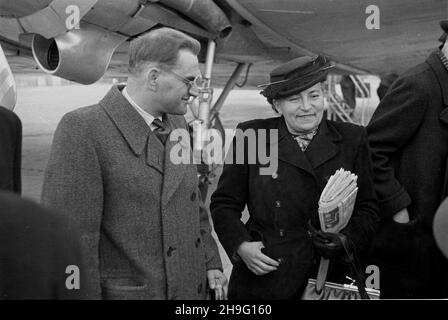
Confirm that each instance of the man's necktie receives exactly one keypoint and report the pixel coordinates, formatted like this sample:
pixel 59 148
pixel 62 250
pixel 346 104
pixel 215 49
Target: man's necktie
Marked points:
pixel 161 131
pixel 303 140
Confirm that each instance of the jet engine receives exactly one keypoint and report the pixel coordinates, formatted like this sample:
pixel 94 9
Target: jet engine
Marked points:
pixel 80 55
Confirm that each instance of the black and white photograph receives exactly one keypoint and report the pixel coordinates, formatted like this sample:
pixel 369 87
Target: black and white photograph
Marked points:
pixel 223 153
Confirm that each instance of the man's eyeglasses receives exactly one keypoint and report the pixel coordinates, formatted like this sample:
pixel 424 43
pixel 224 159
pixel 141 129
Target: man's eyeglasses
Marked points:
pixel 193 84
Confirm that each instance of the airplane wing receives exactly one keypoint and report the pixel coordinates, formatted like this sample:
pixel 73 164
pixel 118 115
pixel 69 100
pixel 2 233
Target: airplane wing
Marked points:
pixel 407 30
pixel 260 32
pixel 78 39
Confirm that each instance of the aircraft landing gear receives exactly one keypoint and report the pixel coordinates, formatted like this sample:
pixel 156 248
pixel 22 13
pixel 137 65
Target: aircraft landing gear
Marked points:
pixel 207 117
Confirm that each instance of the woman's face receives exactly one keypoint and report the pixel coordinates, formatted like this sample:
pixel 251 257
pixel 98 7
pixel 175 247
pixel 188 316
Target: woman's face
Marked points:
pixel 303 111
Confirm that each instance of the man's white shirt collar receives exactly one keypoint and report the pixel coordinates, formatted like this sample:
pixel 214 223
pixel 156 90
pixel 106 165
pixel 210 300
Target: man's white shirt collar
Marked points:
pixel 145 115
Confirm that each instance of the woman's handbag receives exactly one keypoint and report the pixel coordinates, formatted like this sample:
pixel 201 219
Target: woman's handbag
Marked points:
pixel 336 291
pixel 319 289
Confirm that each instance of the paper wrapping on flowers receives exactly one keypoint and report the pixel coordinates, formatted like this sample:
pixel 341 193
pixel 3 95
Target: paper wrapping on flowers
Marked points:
pixel 337 201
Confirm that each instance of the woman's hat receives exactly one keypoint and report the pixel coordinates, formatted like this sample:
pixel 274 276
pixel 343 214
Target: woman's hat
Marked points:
pixel 295 76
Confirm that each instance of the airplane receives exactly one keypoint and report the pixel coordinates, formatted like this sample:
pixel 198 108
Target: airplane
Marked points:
pixel 256 33
pixel 83 40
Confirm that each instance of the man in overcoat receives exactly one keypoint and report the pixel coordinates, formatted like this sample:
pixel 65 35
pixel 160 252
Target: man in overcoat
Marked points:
pixel 408 135
pixel 272 253
pixel 146 233
pixel 10 151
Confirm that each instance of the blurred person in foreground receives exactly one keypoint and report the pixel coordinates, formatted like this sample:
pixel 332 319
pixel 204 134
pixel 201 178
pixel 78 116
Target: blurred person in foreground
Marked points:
pixel 10 151
pixel 40 254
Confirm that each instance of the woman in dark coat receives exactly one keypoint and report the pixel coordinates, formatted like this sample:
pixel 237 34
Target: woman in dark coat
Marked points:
pixel 273 254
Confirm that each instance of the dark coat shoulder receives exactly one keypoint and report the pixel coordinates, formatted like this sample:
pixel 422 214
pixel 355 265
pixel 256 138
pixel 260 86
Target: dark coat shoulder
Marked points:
pixel 10 151
pixel 8 117
pixel 36 247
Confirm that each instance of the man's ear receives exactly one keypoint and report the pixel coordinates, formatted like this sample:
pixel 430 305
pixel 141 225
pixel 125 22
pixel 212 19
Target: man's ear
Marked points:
pixel 151 78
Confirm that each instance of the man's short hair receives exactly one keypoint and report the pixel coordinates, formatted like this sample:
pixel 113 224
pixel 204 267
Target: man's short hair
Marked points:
pixel 159 46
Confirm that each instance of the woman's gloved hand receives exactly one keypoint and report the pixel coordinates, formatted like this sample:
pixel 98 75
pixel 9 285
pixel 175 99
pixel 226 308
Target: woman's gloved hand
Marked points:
pixel 329 245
